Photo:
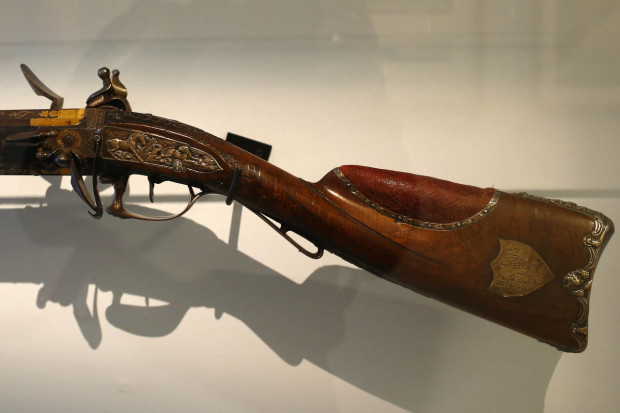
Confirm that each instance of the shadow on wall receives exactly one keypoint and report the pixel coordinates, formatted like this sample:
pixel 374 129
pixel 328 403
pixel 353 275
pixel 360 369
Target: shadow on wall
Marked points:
pixel 375 335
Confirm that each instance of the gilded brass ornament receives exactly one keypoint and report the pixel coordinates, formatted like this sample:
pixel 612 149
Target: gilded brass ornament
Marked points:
pixel 64 117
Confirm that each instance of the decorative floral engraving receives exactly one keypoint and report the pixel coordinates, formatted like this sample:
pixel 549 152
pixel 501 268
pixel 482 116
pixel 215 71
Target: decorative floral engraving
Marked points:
pixel 579 282
pixel 159 151
pixel 416 222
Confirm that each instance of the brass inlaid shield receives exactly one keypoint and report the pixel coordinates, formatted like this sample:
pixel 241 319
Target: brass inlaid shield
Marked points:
pixel 518 270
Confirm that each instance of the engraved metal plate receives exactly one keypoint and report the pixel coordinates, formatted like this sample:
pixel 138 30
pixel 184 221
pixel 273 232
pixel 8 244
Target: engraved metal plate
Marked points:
pixel 518 270
pixel 140 147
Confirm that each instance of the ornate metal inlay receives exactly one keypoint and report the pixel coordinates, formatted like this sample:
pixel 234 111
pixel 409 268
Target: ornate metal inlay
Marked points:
pixel 191 132
pixel 416 222
pixel 579 282
pixel 518 270
pixel 159 151
pixel 64 117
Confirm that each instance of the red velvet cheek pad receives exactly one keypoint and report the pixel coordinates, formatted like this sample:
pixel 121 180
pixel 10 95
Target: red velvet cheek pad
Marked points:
pixel 416 196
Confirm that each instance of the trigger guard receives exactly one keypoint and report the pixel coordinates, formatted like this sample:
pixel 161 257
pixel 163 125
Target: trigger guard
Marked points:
pixel 118 210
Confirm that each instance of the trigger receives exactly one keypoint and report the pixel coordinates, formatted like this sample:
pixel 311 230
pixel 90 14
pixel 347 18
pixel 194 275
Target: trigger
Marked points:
pixel 152 181
pixel 151 189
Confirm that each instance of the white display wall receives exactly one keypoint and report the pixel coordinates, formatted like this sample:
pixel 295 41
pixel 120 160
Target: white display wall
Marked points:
pixel 521 96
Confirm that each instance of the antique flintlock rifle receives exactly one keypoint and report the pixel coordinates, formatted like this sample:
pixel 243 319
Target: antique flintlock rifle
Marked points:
pixel 519 260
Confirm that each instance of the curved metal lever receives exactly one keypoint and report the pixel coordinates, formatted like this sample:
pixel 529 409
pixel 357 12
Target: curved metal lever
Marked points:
pixel 40 89
pixel 78 184
pixel 118 210
pixel 283 232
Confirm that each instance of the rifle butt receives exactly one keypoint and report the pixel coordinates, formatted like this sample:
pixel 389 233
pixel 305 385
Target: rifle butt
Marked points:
pixel 521 261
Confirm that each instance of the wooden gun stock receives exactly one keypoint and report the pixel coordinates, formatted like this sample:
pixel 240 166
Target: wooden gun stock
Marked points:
pixel 521 261
pixel 518 260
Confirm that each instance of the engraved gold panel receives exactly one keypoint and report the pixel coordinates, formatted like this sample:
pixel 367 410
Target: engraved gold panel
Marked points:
pixel 518 270
pixel 64 117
